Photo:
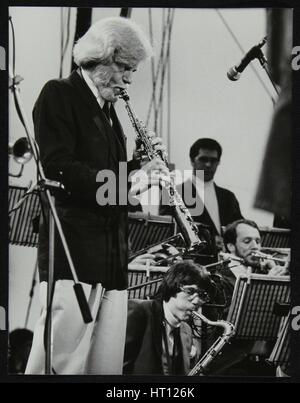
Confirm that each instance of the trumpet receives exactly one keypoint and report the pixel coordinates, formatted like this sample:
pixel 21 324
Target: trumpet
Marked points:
pixel 229 256
pixel 262 255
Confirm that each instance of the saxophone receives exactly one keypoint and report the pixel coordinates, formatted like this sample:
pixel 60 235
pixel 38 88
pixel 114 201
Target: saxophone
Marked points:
pixel 216 348
pixel 183 218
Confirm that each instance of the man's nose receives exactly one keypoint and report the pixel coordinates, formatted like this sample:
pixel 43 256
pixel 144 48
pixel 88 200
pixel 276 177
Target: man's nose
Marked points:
pixel 208 164
pixel 127 77
pixel 254 244
pixel 196 301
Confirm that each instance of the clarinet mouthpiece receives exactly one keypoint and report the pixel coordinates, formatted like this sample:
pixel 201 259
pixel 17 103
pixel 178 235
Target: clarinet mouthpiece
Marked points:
pixel 123 94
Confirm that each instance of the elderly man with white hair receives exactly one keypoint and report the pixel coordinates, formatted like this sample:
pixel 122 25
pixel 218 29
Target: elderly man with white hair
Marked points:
pixel 80 136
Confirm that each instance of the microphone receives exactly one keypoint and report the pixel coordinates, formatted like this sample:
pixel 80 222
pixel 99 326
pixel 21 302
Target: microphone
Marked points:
pixel 234 72
pixel 229 256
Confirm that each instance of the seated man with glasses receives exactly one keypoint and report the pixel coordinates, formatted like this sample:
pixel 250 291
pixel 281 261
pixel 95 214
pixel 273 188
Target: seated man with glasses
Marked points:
pixel 159 340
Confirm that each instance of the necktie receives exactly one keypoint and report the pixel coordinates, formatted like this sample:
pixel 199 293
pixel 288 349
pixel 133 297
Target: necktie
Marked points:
pixel 106 110
pixel 176 356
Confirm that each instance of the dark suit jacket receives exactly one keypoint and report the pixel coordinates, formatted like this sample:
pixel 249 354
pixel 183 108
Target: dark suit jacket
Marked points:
pixel 229 208
pixel 143 348
pixel 76 141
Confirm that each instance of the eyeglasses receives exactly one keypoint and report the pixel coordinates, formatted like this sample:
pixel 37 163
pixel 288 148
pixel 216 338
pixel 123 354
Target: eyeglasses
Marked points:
pixel 192 293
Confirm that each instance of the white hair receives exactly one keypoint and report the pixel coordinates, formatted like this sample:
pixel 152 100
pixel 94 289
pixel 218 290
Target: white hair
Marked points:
pixel 112 39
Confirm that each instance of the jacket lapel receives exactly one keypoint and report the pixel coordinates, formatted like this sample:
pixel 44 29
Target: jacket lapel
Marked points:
pixel 157 319
pixel 88 98
pixel 185 345
pixel 86 94
pixel 205 218
pixel 219 195
pixel 118 129
pixel 99 117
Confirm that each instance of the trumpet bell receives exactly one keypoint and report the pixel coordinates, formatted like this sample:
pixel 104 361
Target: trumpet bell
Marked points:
pixel 20 151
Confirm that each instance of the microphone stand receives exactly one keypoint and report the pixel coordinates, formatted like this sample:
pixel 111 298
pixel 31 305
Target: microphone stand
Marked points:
pixel 44 185
pixel 264 64
pixel 31 293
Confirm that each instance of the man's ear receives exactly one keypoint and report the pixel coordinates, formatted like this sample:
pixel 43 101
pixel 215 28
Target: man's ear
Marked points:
pixel 230 247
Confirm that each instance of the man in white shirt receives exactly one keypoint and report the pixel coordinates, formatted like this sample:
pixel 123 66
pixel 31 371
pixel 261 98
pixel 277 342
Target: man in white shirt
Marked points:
pixel 242 357
pixel 208 203
pixel 221 207
pixel 242 239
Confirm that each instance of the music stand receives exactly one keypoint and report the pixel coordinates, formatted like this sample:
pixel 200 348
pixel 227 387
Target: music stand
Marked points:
pixel 23 222
pixel 254 308
pixel 145 229
pixel 144 281
pixel 281 351
pixel 275 237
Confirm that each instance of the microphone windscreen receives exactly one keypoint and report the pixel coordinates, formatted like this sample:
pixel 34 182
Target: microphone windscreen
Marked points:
pixel 233 74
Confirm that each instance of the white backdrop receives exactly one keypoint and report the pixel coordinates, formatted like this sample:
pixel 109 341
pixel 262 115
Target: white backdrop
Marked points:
pixel 204 103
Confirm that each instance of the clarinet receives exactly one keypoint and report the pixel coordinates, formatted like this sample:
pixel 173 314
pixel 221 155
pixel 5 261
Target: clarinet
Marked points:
pixel 183 218
pixel 216 348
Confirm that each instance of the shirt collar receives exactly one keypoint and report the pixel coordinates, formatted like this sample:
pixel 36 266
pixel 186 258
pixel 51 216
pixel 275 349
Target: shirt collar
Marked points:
pixel 200 182
pixel 169 317
pixel 92 87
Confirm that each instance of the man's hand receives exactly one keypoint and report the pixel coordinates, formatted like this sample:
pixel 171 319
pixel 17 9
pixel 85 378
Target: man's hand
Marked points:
pixel 278 271
pixel 155 141
pixel 273 269
pixel 146 258
pixel 149 175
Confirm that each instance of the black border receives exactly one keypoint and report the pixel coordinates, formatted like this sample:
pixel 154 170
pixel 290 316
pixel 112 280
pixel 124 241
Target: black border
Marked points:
pixel 3 191
pixel 145 382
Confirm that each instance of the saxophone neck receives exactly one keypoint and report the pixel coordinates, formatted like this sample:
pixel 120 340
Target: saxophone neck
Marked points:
pixel 227 326
pixel 216 348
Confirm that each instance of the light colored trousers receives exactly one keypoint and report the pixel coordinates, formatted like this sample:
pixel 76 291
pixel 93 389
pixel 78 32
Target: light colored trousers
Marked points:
pixel 96 348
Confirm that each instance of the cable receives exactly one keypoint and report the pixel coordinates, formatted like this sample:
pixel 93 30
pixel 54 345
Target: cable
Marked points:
pixel 17 206
pixel 152 61
pixel 36 154
pixel 64 42
pixel 243 52
pixel 47 320
pixel 165 68
pixel 68 32
pixel 61 41
pixel 14 45
pixel 159 64
pixel 166 58
pixel 14 70
pixel 169 111
pixel 31 293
